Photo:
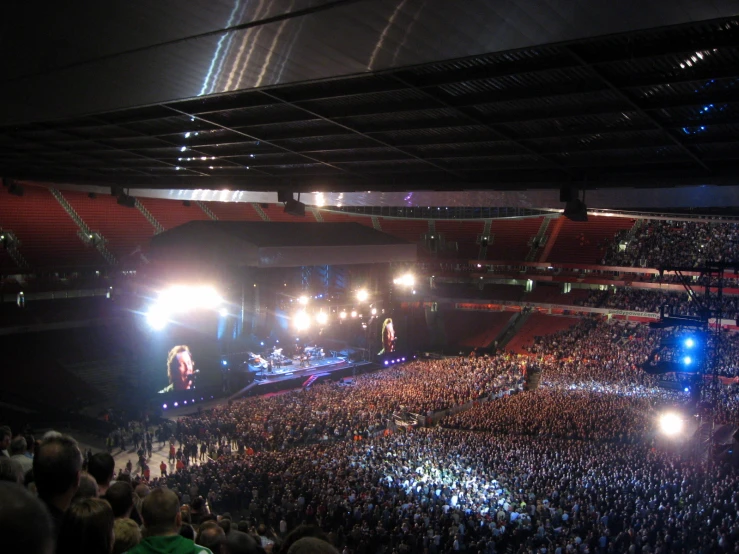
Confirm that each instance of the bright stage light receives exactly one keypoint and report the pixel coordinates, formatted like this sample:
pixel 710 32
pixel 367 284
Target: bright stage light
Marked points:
pixel 407 280
pixel 670 424
pixel 342 315
pixel 223 312
pixel 374 311
pixel 301 320
pixel 303 300
pixel 687 360
pixel 689 343
pixel 362 295
pixel 181 298
pixel 354 313
pixel 322 318
pixel 157 318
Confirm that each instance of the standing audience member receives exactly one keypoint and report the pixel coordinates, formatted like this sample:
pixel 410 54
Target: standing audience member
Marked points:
pixel 127 535
pixel 102 467
pixel 5 435
pixel 25 524
pixel 162 521
pixel 120 497
pixel 210 535
pixel 56 471
pixel 10 470
pixel 88 488
pixel 87 528
pixel 18 449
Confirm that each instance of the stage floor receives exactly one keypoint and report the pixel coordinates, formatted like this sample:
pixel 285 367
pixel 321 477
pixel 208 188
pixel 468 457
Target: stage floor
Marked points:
pixel 295 370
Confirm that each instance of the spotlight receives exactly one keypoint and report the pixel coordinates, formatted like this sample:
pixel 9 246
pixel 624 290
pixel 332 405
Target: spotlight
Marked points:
pixel 261 343
pixel 374 311
pixel 342 315
pixel 687 360
pixel 686 389
pixel 387 363
pixel 407 280
pixel 223 312
pixel 224 362
pixel 301 320
pixel 354 313
pixel 176 404
pixel 164 406
pixel 689 343
pixel 303 300
pixel 322 318
pixel 670 424
pixel 362 295
pixel 157 318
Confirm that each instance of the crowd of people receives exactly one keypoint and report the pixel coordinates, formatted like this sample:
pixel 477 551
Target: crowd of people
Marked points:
pixel 570 414
pixel 331 411
pixel 672 302
pixel 570 466
pixel 677 243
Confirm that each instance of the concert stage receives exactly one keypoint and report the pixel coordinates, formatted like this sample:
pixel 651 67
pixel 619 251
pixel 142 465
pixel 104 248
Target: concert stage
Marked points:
pixel 294 376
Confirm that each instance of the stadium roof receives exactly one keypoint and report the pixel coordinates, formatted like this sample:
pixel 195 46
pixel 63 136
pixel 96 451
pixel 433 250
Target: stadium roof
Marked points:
pixel 261 244
pixel 652 108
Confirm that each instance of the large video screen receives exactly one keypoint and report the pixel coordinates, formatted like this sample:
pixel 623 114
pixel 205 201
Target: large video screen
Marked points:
pixel 186 355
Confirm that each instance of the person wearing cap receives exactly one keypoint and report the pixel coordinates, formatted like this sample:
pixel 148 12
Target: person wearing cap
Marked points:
pixel 160 511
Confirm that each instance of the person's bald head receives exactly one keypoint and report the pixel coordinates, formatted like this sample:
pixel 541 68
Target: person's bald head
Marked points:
pixel 161 513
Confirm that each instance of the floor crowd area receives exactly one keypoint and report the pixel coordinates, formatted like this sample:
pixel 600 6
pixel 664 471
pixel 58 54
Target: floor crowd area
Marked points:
pixel 571 466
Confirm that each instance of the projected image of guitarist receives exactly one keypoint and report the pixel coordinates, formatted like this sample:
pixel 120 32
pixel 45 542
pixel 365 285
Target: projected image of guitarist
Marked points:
pixel 388 337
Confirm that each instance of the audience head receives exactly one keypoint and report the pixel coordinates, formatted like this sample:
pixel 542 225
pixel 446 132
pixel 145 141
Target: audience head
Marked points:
pixel 101 466
pixel 127 535
pixel 87 528
pixel 11 470
pixel 56 468
pixel 237 542
pixel 120 497
pixel 311 545
pixel 17 446
pixel 303 532
pixel 5 436
pixel 25 525
pixel 210 535
pixel 161 513
pixel 88 488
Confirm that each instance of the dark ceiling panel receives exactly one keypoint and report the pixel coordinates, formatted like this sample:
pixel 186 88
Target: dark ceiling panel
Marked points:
pixel 103 56
pixel 608 112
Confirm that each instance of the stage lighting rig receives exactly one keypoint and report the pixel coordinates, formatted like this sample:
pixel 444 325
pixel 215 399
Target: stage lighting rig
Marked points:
pixel 362 295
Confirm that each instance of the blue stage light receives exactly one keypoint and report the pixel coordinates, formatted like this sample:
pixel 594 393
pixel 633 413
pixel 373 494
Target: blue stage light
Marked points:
pixel 687 360
pixel 175 404
pixel 689 343
pixel 386 362
pixel 687 389
pixel 261 343
pixel 164 406
pixel 224 362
